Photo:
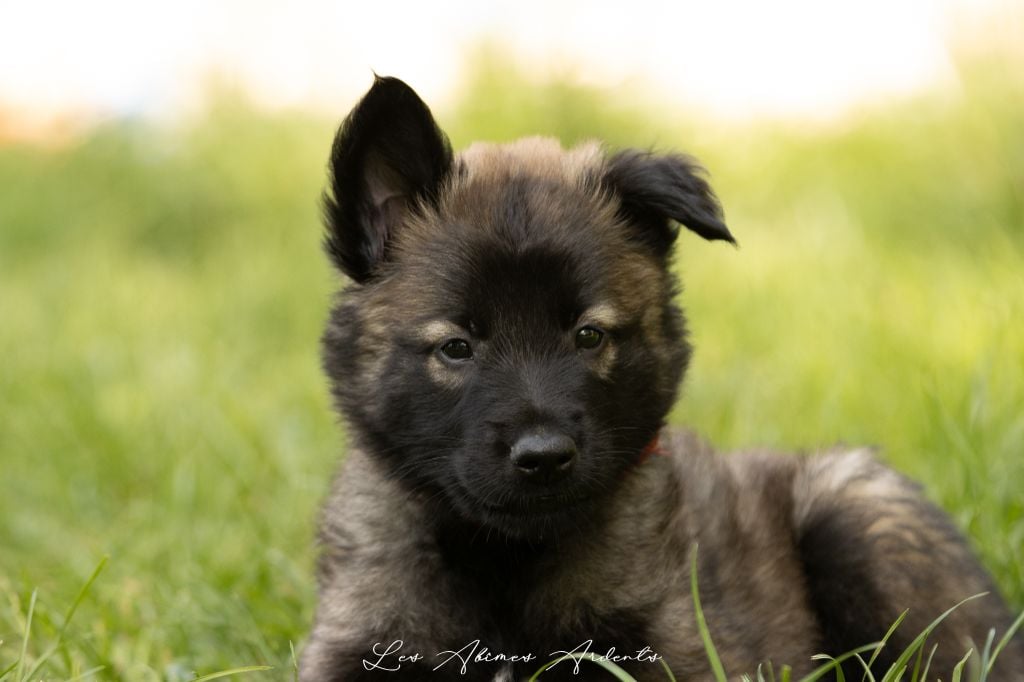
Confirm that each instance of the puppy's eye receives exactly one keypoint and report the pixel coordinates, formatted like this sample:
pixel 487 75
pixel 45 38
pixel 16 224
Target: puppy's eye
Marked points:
pixel 588 338
pixel 457 349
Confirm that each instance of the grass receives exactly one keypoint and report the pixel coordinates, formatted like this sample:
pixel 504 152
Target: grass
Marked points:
pixel 162 292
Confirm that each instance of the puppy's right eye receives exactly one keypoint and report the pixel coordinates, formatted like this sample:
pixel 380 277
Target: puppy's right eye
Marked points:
pixel 589 338
pixel 457 349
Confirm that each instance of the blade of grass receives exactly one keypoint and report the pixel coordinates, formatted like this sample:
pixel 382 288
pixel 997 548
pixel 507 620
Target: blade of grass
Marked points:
pixel 668 670
pixel 615 670
pixel 888 634
pixel 840 677
pixel 868 675
pixel 958 669
pixel 233 671
pixel 914 676
pixel 88 673
pixel 81 595
pixel 900 664
pixel 834 662
pixel 24 642
pixel 917 664
pixel 986 652
pixel 68 615
pixel 705 634
pixel 6 671
pixel 928 663
pixel 1004 640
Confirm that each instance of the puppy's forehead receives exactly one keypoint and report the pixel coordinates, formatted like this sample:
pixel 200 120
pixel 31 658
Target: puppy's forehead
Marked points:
pixel 540 157
pixel 525 222
pixel 527 192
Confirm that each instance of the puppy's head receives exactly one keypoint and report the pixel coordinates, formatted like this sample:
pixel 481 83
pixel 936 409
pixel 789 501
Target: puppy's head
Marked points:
pixel 509 343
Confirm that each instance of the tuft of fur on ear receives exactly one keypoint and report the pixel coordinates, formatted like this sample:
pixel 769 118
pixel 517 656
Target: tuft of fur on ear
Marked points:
pixel 655 189
pixel 388 155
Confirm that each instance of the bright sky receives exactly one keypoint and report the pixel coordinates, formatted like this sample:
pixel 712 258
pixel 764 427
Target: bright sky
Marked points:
pixel 730 58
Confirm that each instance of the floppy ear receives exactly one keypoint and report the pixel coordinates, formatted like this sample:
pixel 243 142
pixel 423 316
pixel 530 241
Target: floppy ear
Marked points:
pixel 388 155
pixel 655 189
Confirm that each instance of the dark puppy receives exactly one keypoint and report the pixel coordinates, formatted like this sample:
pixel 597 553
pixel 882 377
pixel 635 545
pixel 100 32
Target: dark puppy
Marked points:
pixel 505 359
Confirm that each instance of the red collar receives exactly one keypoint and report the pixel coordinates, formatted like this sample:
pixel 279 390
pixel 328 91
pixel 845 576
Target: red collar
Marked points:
pixel 651 449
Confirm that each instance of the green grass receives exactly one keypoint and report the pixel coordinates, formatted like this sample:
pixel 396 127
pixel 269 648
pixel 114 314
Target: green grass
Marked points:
pixel 162 291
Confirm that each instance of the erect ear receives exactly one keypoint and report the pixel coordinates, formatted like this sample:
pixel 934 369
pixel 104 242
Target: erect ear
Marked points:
pixel 387 156
pixel 656 189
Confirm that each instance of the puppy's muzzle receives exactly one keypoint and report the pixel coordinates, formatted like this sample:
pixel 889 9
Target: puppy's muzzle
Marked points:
pixel 543 455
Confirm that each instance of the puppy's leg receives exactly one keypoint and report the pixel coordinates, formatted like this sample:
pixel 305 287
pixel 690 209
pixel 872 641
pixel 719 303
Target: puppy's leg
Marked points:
pixel 872 547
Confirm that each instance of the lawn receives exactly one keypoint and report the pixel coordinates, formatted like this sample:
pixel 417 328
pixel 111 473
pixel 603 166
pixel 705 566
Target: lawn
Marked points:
pixel 162 292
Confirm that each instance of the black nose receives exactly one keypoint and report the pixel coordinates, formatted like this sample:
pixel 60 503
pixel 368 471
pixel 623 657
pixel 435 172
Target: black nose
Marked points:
pixel 544 456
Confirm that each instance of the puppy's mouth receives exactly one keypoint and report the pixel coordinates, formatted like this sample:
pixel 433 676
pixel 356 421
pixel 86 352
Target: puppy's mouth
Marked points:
pixel 507 496
pixel 538 515
pixel 538 504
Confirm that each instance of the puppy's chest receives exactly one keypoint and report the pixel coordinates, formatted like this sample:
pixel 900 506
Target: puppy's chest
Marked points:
pixel 521 611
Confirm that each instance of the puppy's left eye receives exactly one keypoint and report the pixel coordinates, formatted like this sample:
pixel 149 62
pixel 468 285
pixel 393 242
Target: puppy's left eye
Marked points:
pixel 589 338
pixel 457 350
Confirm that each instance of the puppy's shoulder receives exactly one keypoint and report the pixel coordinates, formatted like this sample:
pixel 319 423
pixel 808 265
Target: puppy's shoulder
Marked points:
pixel 747 488
pixel 368 512
pixel 699 468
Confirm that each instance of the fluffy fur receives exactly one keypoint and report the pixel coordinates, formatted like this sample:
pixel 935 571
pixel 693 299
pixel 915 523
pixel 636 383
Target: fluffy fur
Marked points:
pixel 505 358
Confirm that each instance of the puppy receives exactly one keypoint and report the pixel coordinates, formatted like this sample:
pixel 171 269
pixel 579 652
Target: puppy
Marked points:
pixel 505 358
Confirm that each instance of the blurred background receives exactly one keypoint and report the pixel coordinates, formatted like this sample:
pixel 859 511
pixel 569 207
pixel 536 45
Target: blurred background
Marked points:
pixel 162 288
